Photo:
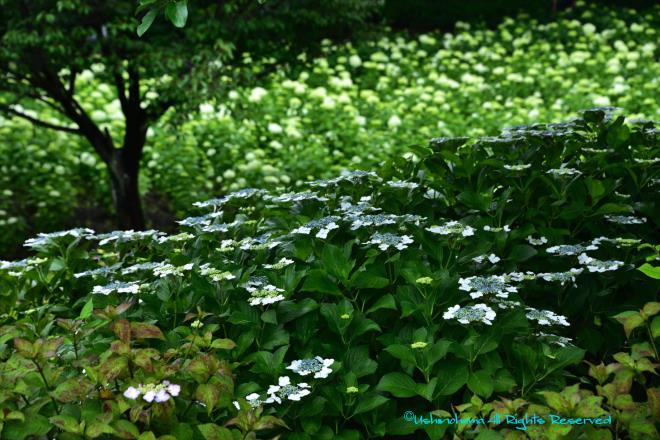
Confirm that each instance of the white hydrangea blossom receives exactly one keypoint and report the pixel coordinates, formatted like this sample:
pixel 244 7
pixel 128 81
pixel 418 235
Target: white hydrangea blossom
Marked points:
pixel 45 238
pixel 165 269
pixel 554 339
pixel 492 258
pixel 317 365
pixel 281 264
pixel 517 167
pixel 625 219
pixel 258 243
pixel 594 265
pixel 465 315
pixel 545 317
pixel 216 275
pixel 117 286
pixel 452 228
pixel 562 277
pixel 295 197
pixel 285 390
pixel 98 272
pixel 563 171
pixel 265 295
pixel 152 392
pixel 150 266
pixel 324 225
pixel 252 399
pixel 387 240
pixel 570 249
pixel 492 285
pixel 354 177
pixel 536 241
pixel 184 236
pixel 400 184
pixel 124 236
pixel 504 228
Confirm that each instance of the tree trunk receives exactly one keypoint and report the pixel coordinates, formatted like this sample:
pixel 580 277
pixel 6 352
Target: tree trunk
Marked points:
pixel 124 176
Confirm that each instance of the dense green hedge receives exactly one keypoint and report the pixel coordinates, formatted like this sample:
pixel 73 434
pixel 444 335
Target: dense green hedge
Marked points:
pixel 468 276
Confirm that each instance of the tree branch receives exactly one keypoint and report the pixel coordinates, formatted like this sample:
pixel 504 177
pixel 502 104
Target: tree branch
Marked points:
pixel 39 122
pixel 72 83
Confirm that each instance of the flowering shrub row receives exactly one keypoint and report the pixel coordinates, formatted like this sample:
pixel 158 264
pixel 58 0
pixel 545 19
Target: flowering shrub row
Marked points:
pixel 348 108
pixel 463 271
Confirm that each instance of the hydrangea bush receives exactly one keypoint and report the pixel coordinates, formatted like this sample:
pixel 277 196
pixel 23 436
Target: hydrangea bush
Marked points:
pixel 329 312
pixel 347 108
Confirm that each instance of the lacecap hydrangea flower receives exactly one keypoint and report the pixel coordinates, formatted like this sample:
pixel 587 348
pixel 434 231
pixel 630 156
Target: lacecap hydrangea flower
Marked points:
pixel 387 240
pixel 465 315
pixel 152 392
pixel 480 286
pixel 285 390
pixel 317 365
pixel 452 228
pixel 594 265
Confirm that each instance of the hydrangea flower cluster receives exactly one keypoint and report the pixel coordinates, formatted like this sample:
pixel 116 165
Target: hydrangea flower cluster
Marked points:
pixel 125 236
pixel 216 275
pixel 545 317
pixel 387 240
pixel 317 366
pixel 150 266
pixel 570 249
pixel 517 167
pixel 594 265
pixel 166 269
pixel 452 228
pixel 265 295
pixel 465 315
pixel 184 236
pixel 117 286
pixel 46 238
pixel 563 171
pixel 562 277
pixel 281 264
pixel 400 184
pixel 285 390
pixel 625 219
pixel 492 258
pixel 295 197
pixel 323 225
pixel 98 272
pixel 259 243
pixel 505 228
pixel 492 285
pixel 536 241
pixel 354 177
pixel 151 392
pixel 216 227
pixel 252 399
pixel 359 221
pixel 240 194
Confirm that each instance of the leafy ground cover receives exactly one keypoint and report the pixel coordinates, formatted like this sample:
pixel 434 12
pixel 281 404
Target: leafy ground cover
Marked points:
pixel 468 276
pixel 349 108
